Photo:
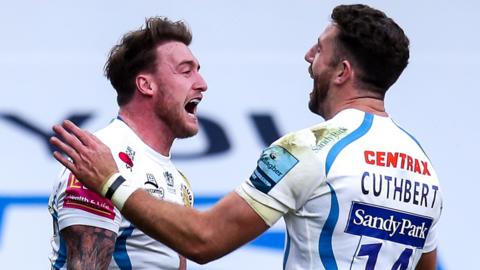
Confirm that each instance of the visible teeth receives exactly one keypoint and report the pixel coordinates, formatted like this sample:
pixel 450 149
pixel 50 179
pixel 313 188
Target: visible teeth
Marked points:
pixel 195 101
pixel 191 106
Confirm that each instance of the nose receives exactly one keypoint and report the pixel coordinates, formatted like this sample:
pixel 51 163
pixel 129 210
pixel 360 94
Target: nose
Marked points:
pixel 200 84
pixel 310 55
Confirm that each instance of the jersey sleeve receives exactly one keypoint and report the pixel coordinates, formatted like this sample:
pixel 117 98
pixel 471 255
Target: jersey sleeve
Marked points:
pixel 78 205
pixel 286 174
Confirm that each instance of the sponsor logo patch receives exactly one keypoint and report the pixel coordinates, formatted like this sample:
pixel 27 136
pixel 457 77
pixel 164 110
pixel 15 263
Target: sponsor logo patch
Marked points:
pixel 170 182
pixel 168 178
pixel 274 163
pixel 158 193
pixel 151 180
pixel 79 197
pixel 326 136
pixel 388 224
pixel 127 157
pixel 152 187
pixel 187 195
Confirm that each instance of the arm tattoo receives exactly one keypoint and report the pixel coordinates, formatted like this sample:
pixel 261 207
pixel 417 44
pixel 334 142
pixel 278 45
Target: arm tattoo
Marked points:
pixel 88 247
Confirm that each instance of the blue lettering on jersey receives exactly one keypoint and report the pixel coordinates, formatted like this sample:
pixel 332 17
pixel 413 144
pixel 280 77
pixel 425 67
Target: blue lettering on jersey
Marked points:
pixel 274 163
pixel 388 224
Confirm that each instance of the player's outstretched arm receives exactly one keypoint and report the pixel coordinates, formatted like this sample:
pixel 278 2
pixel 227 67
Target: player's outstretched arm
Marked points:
pixel 428 261
pixel 88 247
pixel 199 236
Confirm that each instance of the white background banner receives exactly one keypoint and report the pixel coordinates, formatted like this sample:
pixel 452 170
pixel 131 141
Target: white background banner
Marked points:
pixel 251 52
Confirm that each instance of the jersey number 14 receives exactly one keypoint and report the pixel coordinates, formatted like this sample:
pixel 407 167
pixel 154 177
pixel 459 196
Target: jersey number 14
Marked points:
pixel 372 250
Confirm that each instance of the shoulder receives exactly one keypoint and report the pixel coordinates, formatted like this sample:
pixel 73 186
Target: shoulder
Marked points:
pixel 111 133
pixel 297 140
pixel 313 138
pixel 117 136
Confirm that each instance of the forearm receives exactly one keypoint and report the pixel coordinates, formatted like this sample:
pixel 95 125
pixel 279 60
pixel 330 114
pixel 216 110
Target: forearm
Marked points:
pixel 199 236
pixel 185 230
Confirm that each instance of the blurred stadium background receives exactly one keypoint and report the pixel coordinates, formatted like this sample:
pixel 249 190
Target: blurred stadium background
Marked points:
pixel 51 59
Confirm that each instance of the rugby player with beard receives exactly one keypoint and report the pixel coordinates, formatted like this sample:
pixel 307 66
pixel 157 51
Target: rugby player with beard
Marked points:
pixel 356 191
pixel 158 87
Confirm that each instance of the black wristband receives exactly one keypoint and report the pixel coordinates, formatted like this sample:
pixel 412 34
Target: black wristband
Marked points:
pixel 114 186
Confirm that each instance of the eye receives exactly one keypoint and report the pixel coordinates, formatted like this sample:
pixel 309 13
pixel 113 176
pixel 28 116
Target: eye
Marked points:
pixel 187 71
pixel 186 68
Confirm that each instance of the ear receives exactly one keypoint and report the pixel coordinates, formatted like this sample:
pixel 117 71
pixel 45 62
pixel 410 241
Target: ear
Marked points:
pixel 144 83
pixel 343 72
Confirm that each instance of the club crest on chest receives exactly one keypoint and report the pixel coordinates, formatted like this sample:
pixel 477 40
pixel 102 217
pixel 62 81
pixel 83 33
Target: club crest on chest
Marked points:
pixel 170 182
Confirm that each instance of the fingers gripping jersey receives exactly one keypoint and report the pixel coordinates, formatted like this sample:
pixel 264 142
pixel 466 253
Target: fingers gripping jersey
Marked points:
pixel 73 204
pixel 357 192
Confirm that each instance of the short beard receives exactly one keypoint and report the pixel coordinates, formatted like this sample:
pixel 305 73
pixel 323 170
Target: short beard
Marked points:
pixel 184 132
pixel 172 115
pixel 321 87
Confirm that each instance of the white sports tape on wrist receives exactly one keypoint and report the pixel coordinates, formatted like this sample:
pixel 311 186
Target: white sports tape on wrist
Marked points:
pixel 109 182
pixel 123 192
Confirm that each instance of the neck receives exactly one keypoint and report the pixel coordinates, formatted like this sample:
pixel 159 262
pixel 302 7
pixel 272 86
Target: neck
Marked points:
pixel 364 101
pixel 148 128
pixel 370 105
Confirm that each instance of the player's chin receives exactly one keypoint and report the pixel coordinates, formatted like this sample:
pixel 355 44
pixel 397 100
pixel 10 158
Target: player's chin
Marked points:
pixel 189 129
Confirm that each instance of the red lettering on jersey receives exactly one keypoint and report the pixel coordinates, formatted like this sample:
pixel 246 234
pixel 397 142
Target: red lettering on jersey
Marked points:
pixel 409 163
pixel 368 159
pixel 392 159
pixel 425 168
pixel 389 159
pixel 417 166
pixel 381 159
pixel 402 156
pixel 79 197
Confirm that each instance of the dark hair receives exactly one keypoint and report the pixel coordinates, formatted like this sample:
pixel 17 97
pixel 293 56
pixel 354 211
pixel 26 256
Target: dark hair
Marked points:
pixel 373 42
pixel 136 53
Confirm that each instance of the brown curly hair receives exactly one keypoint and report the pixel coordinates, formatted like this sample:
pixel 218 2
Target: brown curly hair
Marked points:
pixel 136 53
pixel 373 42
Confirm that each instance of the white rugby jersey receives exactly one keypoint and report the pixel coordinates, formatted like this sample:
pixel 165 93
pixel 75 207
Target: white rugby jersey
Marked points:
pixel 73 204
pixel 357 192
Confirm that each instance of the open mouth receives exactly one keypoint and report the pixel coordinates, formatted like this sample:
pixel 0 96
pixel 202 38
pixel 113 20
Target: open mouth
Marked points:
pixel 191 106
